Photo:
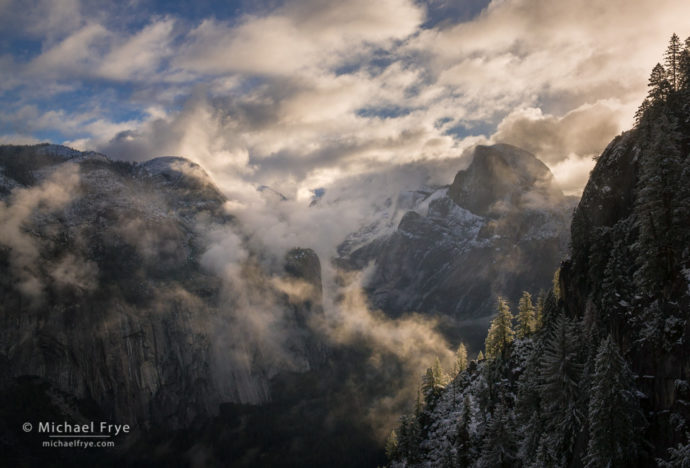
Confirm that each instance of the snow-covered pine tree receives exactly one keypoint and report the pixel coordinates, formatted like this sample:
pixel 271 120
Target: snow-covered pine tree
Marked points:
pixel 528 415
pixel 560 371
pixel 410 433
pixel 526 319
pixel 500 332
pixel 544 458
pixel 613 411
pixel 618 288
pixel 550 312
pixel 407 438
pixel 433 383
pixel 499 449
pixel 464 439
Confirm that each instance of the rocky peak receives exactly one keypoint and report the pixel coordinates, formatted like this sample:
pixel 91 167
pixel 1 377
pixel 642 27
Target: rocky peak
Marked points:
pixel 502 177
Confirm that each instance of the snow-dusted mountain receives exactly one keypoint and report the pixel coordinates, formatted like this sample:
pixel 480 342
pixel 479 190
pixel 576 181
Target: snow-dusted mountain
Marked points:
pixel 500 228
pixel 113 289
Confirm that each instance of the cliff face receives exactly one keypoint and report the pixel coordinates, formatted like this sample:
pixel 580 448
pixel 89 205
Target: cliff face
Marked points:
pixel 504 178
pixel 113 289
pixel 501 228
pixel 628 272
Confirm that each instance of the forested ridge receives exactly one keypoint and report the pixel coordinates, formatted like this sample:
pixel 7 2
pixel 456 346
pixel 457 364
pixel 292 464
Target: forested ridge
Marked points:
pixel 595 374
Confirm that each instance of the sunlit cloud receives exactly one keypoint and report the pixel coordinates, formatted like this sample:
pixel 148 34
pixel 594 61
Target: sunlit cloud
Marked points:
pixel 307 93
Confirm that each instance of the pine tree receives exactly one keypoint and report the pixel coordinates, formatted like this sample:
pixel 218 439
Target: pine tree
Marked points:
pixel 460 359
pixel 672 61
pixel 528 416
pixel 680 235
pixel 560 370
pixel 557 284
pixel 499 448
pixel 684 67
pixel 410 433
pixel 660 88
pixel 612 408
pixel 500 332
pixel 433 383
pixel 617 284
pixel 392 446
pixel 407 438
pixel 464 440
pixel 539 313
pixel 642 110
pixel 550 312
pixel 480 356
pixel 527 320
pixel 684 70
pixel 544 456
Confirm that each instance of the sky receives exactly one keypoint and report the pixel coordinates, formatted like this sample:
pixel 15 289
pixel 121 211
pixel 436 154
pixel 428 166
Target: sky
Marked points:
pixel 304 94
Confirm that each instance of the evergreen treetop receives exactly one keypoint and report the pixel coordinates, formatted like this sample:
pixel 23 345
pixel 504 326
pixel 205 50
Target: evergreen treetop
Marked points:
pixel 527 316
pixel 500 332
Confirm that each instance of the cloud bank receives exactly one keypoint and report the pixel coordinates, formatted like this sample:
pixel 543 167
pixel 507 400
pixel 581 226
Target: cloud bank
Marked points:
pixel 301 94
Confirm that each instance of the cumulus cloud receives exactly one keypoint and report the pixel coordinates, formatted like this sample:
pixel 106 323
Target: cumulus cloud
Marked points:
pixel 572 173
pixel 567 143
pixel 583 131
pixel 301 35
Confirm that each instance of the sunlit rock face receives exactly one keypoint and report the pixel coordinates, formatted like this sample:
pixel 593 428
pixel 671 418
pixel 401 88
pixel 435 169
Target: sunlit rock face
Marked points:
pixel 112 292
pixel 504 178
pixel 500 228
